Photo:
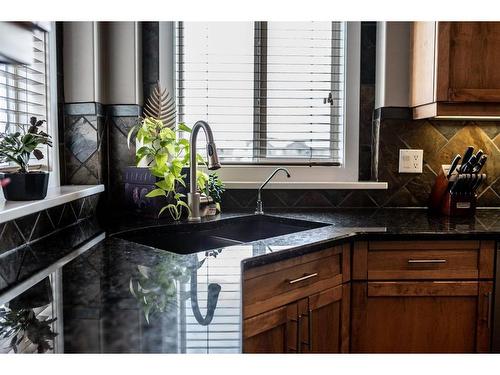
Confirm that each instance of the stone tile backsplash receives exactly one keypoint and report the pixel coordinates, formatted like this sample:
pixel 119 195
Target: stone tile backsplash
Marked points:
pixel 440 140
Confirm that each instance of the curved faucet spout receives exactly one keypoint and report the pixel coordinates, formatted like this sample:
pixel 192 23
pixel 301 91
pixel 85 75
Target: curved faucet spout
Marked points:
pixel 259 210
pixel 213 164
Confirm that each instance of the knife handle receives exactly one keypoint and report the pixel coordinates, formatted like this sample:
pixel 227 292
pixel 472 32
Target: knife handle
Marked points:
pixel 467 156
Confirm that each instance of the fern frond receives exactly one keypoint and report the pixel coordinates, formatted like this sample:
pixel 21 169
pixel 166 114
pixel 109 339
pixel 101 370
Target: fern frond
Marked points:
pixel 161 106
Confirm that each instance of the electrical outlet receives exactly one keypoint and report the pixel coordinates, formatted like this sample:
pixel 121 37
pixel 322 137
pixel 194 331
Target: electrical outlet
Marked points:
pixel 411 161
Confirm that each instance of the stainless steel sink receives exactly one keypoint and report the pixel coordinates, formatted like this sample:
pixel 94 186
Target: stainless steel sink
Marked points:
pixel 192 238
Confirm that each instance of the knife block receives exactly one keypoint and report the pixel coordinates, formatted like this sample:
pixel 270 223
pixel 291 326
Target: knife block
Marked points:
pixel 444 202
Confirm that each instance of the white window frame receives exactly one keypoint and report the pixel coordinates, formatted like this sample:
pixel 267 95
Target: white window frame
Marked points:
pixel 240 176
pixel 52 118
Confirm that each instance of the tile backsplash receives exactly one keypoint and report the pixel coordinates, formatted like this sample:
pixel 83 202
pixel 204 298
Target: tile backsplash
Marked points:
pixel 440 140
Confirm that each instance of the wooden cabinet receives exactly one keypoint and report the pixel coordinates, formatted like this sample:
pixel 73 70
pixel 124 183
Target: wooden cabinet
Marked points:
pixel 453 69
pixel 399 297
pixel 300 305
pixel 316 324
pixel 437 299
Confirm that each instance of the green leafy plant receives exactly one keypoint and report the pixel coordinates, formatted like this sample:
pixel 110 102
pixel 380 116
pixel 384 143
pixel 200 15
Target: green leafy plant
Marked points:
pixel 215 189
pixel 166 154
pixel 18 324
pixel 17 147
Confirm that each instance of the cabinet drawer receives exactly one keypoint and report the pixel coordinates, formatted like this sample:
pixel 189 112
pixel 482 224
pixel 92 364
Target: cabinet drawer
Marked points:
pixel 267 287
pixel 424 260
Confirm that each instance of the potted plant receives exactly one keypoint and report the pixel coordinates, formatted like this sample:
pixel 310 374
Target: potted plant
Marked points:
pixel 17 148
pixel 165 154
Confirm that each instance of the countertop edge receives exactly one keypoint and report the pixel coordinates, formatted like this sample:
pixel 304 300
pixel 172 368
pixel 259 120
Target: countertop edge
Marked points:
pixel 11 210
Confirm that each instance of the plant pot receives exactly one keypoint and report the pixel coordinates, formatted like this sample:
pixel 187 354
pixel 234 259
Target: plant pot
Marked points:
pixel 138 182
pixel 25 186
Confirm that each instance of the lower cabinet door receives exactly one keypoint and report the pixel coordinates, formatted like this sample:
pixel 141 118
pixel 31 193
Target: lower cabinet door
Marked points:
pixel 275 331
pixel 316 324
pixel 324 326
pixel 421 317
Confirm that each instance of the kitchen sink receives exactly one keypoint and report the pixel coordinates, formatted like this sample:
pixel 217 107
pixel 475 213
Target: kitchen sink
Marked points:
pixel 192 238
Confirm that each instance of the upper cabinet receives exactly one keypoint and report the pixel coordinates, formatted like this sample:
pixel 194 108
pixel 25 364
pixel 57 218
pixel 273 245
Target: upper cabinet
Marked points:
pixel 454 69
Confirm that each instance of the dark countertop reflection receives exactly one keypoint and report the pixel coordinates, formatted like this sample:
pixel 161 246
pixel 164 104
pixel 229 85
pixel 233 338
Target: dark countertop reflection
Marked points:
pixel 123 297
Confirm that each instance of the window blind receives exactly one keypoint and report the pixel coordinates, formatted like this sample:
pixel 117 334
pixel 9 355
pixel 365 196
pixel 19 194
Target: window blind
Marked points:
pixel 24 91
pixel 273 92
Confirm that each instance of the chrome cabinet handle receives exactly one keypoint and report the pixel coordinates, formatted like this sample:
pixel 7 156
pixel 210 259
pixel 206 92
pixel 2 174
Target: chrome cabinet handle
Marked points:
pixel 305 277
pixel 423 261
pixel 490 300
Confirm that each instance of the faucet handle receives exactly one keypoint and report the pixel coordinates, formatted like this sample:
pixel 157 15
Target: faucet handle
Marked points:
pixel 259 210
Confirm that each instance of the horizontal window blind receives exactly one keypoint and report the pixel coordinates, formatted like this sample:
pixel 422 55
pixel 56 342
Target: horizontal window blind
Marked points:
pixel 24 92
pixel 273 92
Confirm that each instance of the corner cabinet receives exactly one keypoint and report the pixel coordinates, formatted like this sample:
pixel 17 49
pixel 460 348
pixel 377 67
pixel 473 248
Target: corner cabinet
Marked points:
pixel 373 297
pixel 300 305
pixel 422 297
pixel 453 69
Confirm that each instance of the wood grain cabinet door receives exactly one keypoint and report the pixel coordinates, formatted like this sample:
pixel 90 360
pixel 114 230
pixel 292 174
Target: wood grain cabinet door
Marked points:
pixel 316 324
pixel 468 53
pixel 324 326
pixel 421 317
pixel 275 331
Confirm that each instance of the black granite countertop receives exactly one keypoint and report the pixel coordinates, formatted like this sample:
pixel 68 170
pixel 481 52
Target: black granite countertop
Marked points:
pixel 121 296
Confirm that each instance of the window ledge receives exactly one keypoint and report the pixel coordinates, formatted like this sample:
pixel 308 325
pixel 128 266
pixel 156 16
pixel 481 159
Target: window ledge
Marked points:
pixel 10 210
pixel 357 185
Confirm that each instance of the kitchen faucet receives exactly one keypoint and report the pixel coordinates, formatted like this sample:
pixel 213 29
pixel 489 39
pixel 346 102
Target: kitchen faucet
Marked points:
pixel 258 210
pixel 213 164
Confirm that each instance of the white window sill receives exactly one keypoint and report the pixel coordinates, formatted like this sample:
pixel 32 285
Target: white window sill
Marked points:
pixel 361 185
pixel 10 210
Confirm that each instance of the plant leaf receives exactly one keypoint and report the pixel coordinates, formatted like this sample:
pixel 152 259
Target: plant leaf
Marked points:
pixel 183 127
pixel 156 193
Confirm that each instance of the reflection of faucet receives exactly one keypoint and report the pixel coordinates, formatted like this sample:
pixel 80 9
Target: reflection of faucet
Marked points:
pixel 259 210
pixel 213 163
pixel 212 299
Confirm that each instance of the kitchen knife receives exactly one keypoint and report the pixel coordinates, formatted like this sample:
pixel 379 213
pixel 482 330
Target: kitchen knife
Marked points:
pixel 480 164
pixel 453 165
pixel 467 168
pixel 457 185
pixel 467 156
pixel 480 180
pixel 472 182
pixel 479 154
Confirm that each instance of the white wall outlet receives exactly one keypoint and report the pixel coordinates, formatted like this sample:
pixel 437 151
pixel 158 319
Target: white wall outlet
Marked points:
pixel 411 161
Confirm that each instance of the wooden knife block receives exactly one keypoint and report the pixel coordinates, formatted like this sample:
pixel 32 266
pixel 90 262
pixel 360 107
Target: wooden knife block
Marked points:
pixel 444 202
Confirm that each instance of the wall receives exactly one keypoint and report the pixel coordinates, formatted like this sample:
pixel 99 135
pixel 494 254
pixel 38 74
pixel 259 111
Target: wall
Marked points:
pixel 382 133
pixel 441 141
pixel 19 237
pixel 102 97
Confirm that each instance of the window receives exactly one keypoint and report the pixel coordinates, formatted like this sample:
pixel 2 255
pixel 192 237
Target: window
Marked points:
pixel 274 93
pixel 25 92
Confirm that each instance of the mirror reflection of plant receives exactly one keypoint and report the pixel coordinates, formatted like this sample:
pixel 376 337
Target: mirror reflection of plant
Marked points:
pixel 18 324
pixel 167 154
pixel 155 287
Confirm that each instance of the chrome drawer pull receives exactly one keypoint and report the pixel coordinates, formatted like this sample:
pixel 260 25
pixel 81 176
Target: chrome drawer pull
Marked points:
pixel 305 277
pixel 413 261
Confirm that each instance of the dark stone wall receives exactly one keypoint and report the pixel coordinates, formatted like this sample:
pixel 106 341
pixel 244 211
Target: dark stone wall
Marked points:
pixel 441 141
pixel 83 144
pixel 150 56
pixel 119 120
pixel 366 98
pixel 20 238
